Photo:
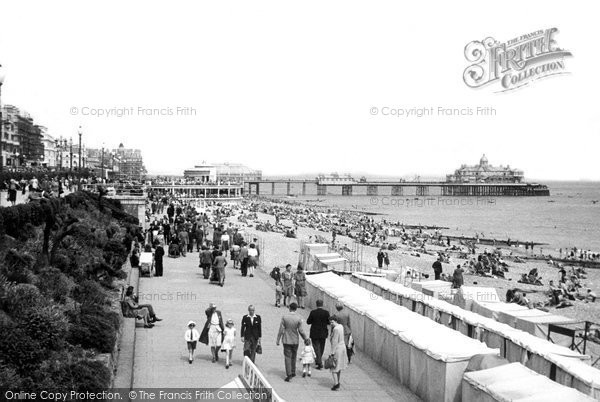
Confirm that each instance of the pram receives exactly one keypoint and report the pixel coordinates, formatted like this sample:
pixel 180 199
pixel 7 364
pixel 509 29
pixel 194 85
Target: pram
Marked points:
pixel 174 250
pixel 146 264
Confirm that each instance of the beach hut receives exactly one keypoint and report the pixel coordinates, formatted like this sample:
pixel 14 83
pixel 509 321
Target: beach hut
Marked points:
pixel 468 295
pixel 514 382
pixel 427 357
pixel 309 249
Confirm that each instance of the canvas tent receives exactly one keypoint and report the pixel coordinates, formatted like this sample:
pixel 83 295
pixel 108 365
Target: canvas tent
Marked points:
pixel 427 357
pixel 514 382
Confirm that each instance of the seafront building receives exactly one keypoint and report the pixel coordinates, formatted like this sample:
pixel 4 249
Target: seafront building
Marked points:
pixel 222 172
pixel 485 173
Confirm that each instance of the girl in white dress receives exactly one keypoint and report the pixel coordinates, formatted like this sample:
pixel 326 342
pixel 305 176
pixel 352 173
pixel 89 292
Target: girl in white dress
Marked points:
pixel 228 342
pixel 307 356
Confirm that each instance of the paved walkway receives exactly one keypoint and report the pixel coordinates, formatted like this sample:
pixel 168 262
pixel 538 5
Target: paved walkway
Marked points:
pixel 183 295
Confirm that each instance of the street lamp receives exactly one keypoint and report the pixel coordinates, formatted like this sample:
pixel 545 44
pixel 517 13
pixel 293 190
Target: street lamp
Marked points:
pixel 71 154
pixel 79 164
pixel 102 164
pixel 1 121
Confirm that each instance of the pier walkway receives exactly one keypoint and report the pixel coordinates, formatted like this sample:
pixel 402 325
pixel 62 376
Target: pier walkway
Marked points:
pixel 182 294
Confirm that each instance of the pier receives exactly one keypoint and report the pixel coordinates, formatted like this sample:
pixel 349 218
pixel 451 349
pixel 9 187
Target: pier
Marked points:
pixel 344 187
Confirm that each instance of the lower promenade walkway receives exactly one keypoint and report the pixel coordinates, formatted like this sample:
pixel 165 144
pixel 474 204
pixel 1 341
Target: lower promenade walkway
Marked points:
pixel 182 295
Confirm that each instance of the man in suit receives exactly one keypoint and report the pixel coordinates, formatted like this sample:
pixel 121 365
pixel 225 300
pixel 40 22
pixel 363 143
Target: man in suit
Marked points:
pixel 290 332
pixel 318 319
pixel 251 333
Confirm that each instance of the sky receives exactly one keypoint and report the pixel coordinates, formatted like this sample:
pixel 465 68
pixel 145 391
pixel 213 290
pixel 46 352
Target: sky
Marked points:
pixel 290 87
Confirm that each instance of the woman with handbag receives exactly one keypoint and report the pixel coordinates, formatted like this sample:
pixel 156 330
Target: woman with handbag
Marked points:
pixel 212 334
pixel 338 351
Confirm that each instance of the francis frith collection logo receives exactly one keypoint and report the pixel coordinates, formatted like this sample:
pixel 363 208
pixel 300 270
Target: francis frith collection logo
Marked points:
pixel 514 63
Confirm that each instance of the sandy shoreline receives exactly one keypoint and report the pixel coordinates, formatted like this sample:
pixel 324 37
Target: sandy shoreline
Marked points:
pixel 279 250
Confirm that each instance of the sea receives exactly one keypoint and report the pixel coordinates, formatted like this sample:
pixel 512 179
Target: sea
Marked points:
pixel 569 217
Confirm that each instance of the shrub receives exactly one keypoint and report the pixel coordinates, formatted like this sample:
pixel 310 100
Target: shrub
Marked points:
pixel 96 328
pixel 89 292
pixel 19 350
pixel 48 326
pixel 54 284
pixel 21 299
pixel 17 266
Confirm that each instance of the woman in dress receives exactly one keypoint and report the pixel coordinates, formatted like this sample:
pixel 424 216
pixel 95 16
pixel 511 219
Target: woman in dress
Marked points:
pixel 300 286
pixel 212 334
pixel 228 342
pixel 288 284
pixel 338 349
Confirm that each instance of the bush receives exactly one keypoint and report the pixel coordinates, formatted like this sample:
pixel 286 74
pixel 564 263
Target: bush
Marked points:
pixel 55 285
pixel 64 376
pixel 22 298
pixel 18 266
pixel 48 326
pixel 19 350
pixel 96 328
pixel 90 292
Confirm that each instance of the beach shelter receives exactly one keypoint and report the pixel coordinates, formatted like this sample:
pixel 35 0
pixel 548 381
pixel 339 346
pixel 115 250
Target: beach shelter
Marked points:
pixel 514 382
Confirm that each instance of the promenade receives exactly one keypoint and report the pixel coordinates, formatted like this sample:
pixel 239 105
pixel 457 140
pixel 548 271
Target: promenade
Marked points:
pixel 182 295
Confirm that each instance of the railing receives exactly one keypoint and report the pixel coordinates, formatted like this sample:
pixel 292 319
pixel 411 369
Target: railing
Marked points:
pixel 257 383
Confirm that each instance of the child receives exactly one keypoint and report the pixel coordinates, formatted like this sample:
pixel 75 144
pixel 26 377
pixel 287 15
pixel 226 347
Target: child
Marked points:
pixel 276 275
pixel 307 356
pixel 278 294
pixel 228 342
pixel 191 336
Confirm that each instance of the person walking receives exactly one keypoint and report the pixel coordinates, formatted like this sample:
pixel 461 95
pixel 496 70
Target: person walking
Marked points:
pixel 290 332
pixel 183 240
pixel 457 278
pixel 212 334
pixel 228 342
pixel 253 259
pixel 308 357
pixel 251 332
pixel 244 259
pixel 219 265
pixel 338 347
pixel 437 268
pixel 343 317
pixel 191 337
pixel 318 319
pixel 159 253
pixel 205 261
pixel 288 284
pixel 300 286
pixel 380 257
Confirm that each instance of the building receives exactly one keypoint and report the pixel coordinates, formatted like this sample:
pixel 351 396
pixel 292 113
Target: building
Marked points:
pixel 222 172
pixel 50 159
pixel 130 164
pixel 67 154
pixel 485 173
pixel 10 152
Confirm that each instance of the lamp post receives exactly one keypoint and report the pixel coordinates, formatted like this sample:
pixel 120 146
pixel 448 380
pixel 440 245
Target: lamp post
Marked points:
pixel 71 154
pixel 1 122
pixel 79 164
pixel 102 162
